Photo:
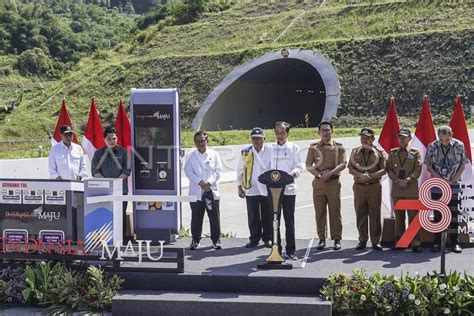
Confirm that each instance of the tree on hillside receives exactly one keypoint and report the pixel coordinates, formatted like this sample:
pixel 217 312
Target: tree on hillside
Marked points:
pixel 33 62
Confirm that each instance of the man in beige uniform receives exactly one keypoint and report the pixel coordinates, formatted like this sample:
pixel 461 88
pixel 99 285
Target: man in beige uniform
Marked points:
pixel 326 160
pixel 404 168
pixel 367 166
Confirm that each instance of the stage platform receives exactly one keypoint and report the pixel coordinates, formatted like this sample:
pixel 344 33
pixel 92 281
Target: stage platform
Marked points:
pixel 212 276
pixel 235 262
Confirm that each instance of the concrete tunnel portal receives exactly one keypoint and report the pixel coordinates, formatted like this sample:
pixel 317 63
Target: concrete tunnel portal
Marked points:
pixel 282 85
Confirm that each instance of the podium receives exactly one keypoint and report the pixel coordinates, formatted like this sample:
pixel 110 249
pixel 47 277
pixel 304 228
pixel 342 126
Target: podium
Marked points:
pixel 276 181
pixel 104 220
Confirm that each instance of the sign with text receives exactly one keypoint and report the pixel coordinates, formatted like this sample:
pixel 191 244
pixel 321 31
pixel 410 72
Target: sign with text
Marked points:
pixel 425 205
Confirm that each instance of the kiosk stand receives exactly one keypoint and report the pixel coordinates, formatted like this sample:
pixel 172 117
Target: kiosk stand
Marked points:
pixel 156 169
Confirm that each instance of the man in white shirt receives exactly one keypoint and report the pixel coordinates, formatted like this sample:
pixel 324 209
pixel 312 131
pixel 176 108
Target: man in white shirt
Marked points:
pixel 285 156
pixel 254 160
pixel 203 168
pixel 66 159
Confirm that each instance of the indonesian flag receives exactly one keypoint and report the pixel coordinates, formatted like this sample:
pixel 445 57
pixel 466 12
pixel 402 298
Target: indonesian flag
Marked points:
pixel 424 135
pixel 459 127
pixel 387 140
pixel 94 136
pixel 122 125
pixel 63 119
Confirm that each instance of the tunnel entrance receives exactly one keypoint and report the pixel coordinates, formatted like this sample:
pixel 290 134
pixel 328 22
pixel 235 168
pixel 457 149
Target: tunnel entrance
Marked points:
pixel 278 86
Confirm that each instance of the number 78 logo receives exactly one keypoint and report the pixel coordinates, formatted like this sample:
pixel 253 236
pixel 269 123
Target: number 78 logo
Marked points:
pixel 424 205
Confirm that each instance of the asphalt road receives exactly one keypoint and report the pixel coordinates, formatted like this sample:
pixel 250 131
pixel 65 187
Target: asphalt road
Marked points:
pixel 233 209
pixel 234 212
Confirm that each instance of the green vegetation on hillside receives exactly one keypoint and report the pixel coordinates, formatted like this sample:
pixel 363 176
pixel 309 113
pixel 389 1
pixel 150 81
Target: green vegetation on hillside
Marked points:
pixel 401 48
pixel 50 37
pixel 236 29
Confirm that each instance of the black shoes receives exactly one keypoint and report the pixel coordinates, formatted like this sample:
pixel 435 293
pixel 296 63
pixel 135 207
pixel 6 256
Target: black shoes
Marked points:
pixel 194 245
pixel 456 248
pixel 251 244
pixel 435 248
pixel 266 244
pixel 361 245
pixel 321 244
pixel 337 244
pixel 416 248
pixel 291 256
pixel 377 247
pixel 217 245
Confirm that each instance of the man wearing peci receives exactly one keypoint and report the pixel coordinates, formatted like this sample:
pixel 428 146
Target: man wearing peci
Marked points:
pixel 404 169
pixel 285 156
pixel 367 166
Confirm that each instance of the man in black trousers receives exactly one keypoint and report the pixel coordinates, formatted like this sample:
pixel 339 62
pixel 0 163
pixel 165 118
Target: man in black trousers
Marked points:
pixel 254 160
pixel 203 168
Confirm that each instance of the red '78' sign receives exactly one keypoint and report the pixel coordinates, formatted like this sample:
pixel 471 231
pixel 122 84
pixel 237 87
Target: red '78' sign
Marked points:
pixel 424 205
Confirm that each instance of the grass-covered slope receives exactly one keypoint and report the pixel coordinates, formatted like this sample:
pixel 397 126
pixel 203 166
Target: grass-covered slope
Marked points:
pixel 402 48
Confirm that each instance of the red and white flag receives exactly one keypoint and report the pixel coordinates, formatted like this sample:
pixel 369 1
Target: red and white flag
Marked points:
pixel 388 140
pixel 459 127
pixel 424 135
pixel 63 119
pixel 94 136
pixel 122 125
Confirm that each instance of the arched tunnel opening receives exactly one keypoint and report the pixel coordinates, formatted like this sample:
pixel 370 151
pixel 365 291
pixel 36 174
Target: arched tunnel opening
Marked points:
pixel 273 88
pixel 279 90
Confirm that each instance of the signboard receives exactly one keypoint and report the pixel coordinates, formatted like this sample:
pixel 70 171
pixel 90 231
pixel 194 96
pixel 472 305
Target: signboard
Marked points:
pixel 41 205
pixel 425 204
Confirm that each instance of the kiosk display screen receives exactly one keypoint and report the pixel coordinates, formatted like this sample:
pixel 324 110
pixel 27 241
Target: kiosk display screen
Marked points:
pixel 154 150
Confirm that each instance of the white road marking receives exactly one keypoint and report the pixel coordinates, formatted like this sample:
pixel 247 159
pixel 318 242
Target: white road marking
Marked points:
pixel 308 250
pixel 303 206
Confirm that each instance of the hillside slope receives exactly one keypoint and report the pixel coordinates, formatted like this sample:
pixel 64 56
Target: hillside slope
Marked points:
pixel 400 48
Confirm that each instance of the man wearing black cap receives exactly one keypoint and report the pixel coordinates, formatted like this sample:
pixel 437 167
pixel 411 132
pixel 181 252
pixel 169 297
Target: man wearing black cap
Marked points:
pixel 404 169
pixel 254 161
pixel 367 166
pixel 66 159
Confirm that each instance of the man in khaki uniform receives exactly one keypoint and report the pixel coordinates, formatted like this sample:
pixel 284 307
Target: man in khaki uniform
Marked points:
pixel 367 166
pixel 404 168
pixel 326 160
